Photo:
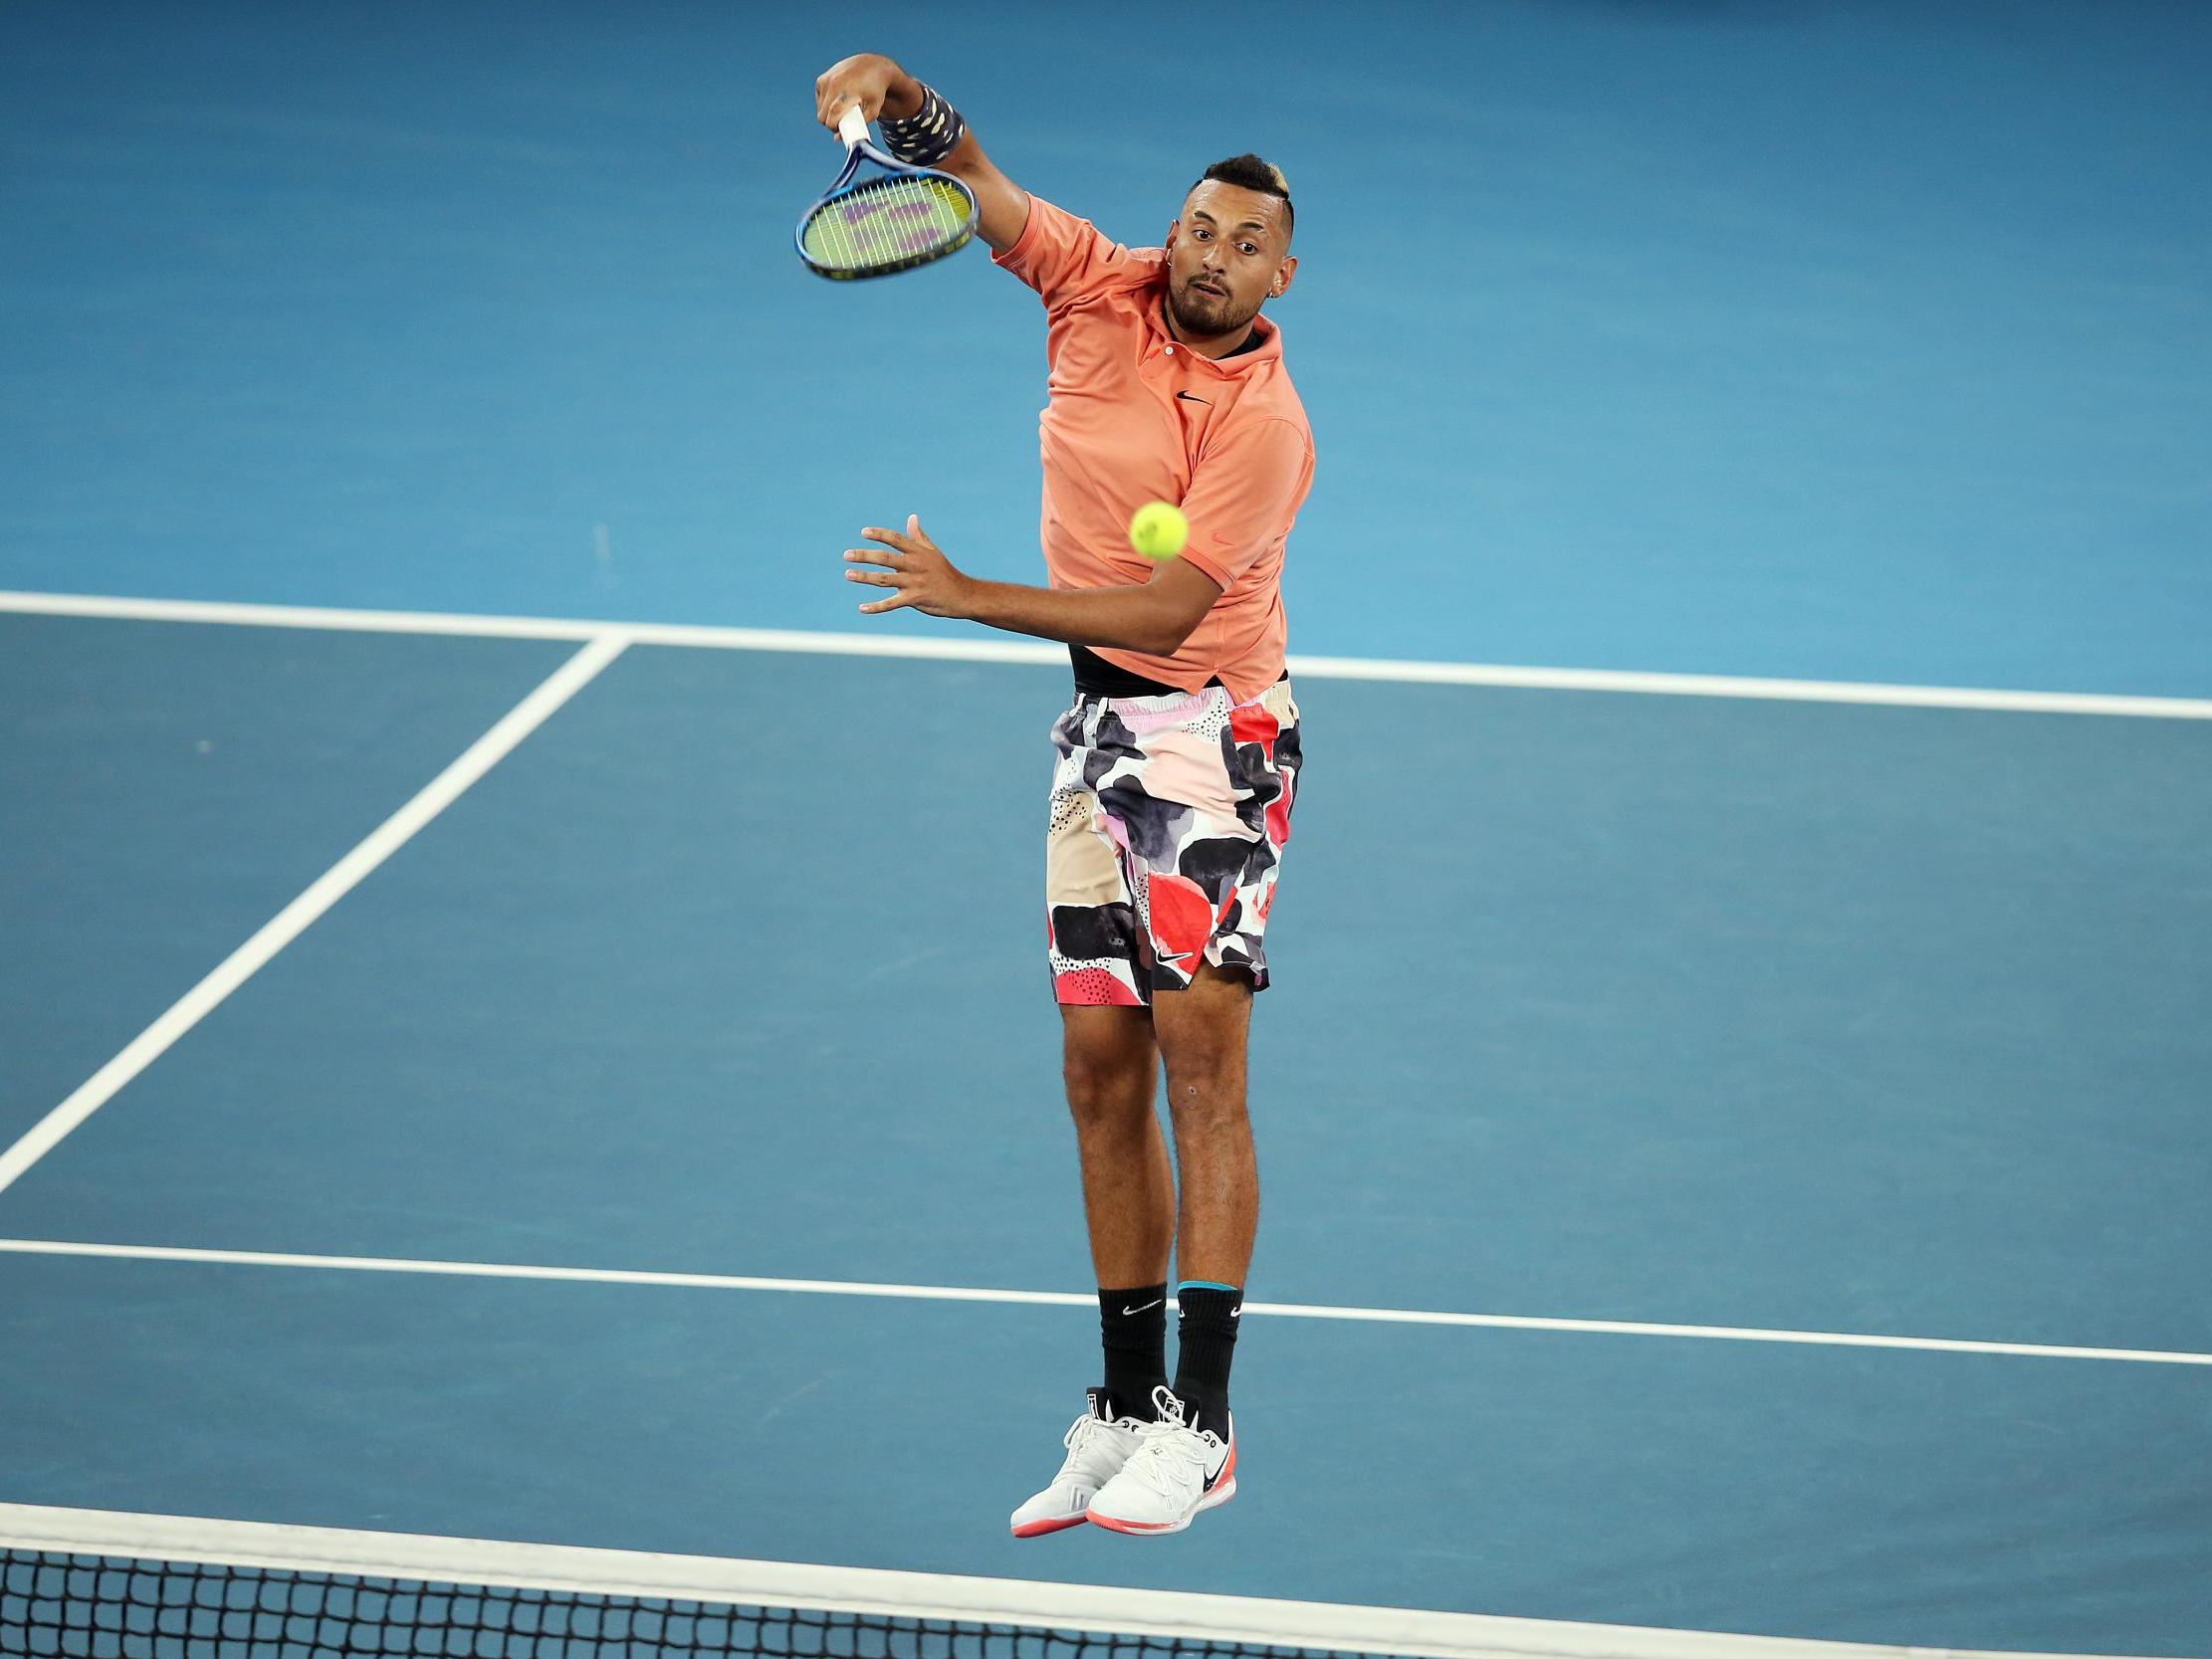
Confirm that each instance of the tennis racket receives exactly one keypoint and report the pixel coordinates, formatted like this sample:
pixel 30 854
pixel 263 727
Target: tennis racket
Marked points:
pixel 890 221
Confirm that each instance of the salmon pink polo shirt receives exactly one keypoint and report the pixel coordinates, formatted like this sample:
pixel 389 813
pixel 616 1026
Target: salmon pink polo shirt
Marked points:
pixel 1134 417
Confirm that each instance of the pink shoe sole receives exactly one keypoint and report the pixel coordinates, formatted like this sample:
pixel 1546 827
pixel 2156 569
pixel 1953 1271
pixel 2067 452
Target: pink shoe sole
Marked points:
pixel 1154 1529
pixel 1039 1529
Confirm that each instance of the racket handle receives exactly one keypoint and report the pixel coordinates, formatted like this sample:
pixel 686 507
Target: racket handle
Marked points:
pixel 852 126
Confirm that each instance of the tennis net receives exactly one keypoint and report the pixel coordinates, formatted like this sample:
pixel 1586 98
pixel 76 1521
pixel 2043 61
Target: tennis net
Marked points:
pixel 97 1584
pixel 94 1585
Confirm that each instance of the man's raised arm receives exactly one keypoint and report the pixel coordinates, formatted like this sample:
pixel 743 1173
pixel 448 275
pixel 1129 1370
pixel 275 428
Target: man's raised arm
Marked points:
pixel 886 93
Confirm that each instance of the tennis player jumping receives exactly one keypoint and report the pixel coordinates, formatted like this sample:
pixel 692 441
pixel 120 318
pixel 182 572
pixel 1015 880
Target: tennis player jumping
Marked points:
pixel 1178 758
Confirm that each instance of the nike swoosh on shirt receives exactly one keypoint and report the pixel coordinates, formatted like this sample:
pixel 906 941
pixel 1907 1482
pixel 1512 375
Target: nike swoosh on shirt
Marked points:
pixel 1209 402
pixel 1147 1305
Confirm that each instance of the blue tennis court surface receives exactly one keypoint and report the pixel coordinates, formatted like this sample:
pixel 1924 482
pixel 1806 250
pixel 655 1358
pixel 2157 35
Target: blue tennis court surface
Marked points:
pixel 541 1062
pixel 1824 1019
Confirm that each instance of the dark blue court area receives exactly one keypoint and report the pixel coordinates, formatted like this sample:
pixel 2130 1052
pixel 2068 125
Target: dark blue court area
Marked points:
pixel 481 1061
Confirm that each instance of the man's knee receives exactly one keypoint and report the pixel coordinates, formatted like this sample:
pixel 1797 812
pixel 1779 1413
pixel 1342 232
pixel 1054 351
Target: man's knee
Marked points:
pixel 1108 1058
pixel 1208 1087
pixel 1204 1056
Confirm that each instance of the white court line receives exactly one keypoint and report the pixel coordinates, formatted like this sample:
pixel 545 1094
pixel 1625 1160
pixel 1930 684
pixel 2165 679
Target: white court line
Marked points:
pixel 881 1593
pixel 1070 1299
pixel 1030 651
pixel 296 917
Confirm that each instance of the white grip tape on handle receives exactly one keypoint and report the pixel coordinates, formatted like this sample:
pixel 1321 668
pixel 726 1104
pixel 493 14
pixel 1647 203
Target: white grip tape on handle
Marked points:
pixel 852 126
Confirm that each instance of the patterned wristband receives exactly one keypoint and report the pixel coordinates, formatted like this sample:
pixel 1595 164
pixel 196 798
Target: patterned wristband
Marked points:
pixel 927 136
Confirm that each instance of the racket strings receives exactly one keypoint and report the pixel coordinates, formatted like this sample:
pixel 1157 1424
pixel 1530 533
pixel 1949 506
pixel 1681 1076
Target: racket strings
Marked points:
pixel 887 223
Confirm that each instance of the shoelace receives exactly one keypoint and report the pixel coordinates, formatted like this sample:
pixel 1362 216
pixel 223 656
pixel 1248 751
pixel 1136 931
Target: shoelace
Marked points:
pixel 1077 1440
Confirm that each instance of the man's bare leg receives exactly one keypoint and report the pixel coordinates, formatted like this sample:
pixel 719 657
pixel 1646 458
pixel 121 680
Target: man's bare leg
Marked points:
pixel 1201 1032
pixel 1109 1060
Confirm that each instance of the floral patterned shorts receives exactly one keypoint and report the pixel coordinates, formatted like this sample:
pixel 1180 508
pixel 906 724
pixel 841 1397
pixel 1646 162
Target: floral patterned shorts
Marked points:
pixel 1169 820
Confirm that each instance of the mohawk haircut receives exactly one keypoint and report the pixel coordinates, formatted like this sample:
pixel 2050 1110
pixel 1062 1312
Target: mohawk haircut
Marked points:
pixel 1249 172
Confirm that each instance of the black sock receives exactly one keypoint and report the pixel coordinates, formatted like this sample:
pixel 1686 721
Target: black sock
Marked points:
pixel 1207 1334
pixel 1134 1324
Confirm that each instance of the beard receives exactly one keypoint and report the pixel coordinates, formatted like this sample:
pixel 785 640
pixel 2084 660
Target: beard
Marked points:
pixel 1208 313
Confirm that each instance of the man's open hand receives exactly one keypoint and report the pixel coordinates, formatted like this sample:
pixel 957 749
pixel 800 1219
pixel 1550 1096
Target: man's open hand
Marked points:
pixel 918 575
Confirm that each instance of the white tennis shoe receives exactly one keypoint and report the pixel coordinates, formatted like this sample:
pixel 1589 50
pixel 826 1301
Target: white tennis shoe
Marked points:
pixel 1097 1448
pixel 1176 1472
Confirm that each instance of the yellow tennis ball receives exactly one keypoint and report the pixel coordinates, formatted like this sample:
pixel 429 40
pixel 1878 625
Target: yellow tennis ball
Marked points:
pixel 1159 530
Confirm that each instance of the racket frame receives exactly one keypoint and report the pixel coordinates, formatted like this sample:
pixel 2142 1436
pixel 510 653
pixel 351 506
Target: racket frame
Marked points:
pixel 852 131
